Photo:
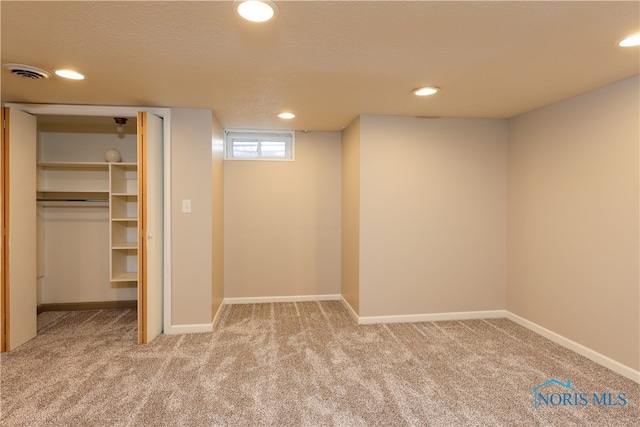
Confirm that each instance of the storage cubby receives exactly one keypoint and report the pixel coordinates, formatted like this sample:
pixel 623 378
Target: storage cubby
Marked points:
pixel 124 234
pixel 124 265
pixel 124 207
pixel 124 178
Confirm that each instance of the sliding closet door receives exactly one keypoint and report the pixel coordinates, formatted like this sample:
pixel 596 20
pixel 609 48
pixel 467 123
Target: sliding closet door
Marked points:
pixel 19 216
pixel 150 217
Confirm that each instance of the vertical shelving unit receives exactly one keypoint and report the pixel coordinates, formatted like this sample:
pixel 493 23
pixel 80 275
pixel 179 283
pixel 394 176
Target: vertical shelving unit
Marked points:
pixel 123 214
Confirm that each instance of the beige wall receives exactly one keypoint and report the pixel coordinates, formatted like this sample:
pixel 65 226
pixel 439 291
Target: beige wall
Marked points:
pixel 432 215
pixel 217 263
pixel 191 245
pixel 84 147
pixel 573 219
pixel 351 215
pixel 282 222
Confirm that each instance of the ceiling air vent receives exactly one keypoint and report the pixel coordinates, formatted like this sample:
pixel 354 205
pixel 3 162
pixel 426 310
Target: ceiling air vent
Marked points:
pixel 27 71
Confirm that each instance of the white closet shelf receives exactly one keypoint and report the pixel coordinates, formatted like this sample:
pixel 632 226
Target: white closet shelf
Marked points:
pixel 125 277
pixel 44 195
pixel 125 246
pixel 125 194
pixel 104 165
pixel 125 219
pixel 70 191
pixel 75 165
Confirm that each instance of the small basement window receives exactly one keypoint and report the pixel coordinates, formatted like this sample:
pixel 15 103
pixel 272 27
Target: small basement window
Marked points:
pixel 258 145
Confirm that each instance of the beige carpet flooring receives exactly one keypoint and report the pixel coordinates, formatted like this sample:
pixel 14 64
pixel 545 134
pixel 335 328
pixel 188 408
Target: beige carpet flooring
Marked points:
pixel 298 364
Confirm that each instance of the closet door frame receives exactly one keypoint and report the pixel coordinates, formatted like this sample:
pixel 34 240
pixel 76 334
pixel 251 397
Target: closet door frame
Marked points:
pixel 108 111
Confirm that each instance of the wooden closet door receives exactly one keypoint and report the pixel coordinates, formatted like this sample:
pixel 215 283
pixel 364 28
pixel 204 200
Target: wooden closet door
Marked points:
pixel 150 229
pixel 19 311
pixel 3 243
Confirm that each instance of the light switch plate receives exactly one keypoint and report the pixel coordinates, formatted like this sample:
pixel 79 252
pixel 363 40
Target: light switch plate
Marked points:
pixel 186 206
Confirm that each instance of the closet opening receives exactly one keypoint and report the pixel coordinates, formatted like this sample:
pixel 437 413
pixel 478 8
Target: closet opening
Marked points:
pixel 83 229
pixel 86 214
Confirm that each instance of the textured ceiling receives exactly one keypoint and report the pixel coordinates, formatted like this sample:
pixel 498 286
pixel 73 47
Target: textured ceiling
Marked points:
pixel 327 61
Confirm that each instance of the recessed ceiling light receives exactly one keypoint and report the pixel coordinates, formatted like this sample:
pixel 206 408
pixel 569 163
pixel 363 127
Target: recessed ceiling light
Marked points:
pixel 630 41
pixel 257 10
pixel 425 91
pixel 286 115
pixel 69 74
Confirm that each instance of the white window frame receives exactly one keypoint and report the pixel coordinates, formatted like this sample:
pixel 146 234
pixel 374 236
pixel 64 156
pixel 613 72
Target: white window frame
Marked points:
pixel 260 136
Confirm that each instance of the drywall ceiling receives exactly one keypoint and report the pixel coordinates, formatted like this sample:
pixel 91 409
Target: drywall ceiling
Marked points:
pixel 327 61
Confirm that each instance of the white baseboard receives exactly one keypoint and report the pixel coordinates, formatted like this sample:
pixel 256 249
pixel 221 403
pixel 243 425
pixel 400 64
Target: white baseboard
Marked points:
pixel 593 355
pixel 294 298
pixel 195 328
pixel 216 317
pixel 190 329
pixel 350 309
pixel 432 317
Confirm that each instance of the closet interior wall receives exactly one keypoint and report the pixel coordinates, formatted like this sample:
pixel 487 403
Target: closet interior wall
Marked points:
pixel 73 230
